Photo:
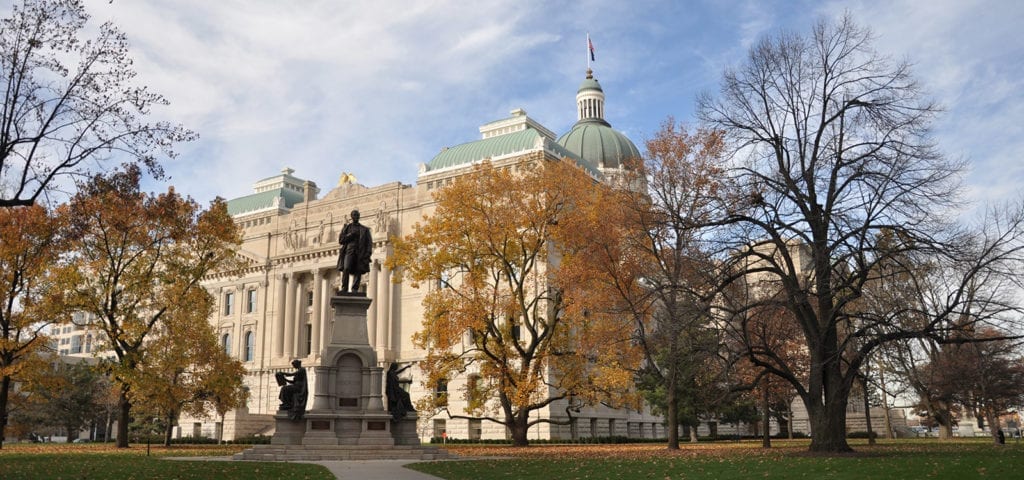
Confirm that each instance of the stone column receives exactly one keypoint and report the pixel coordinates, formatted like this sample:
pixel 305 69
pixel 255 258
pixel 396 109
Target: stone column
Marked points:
pixel 314 318
pixel 384 312
pixel 326 313
pixel 371 291
pixel 280 312
pixel 300 311
pixel 289 315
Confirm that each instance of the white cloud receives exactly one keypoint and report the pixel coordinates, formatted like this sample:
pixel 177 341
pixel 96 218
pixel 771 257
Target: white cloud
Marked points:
pixel 375 88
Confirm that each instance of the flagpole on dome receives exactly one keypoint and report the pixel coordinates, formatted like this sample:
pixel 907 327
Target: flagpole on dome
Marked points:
pixel 590 51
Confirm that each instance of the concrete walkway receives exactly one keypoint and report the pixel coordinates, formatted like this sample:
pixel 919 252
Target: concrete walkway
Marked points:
pixel 374 470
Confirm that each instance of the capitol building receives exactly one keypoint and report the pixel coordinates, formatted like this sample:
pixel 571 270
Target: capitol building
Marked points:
pixel 277 308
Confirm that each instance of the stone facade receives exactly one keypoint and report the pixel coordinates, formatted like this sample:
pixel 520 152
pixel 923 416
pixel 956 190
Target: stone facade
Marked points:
pixel 279 309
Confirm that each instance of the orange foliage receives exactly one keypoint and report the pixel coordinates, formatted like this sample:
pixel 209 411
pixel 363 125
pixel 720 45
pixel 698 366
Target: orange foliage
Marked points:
pixel 511 295
pixel 138 259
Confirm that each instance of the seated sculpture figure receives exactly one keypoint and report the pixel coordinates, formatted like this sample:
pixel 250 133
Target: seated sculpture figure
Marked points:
pixel 294 391
pixel 398 399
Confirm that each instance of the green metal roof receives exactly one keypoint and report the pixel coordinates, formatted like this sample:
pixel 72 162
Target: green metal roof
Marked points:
pixel 597 142
pixel 262 200
pixel 478 150
pixel 590 84
pixel 470 152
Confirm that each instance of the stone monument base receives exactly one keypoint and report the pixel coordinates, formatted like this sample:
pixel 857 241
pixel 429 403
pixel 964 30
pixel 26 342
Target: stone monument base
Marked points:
pixel 347 420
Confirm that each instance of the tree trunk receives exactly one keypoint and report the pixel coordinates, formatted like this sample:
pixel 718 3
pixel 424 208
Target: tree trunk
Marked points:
pixel 828 394
pixel 828 429
pixel 168 429
pixel 5 389
pixel 789 420
pixel 766 440
pixel 519 429
pixel 867 409
pixel 885 405
pixel 108 428
pixel 693 435
pixel 993 426
pixel 945 421
pixel 123 418
pixel 673 410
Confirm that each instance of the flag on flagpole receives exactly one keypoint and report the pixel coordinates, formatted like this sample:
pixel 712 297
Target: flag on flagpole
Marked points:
pixel 590 46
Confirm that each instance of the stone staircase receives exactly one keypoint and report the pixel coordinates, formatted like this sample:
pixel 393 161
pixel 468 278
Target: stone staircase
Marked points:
pixel 288 453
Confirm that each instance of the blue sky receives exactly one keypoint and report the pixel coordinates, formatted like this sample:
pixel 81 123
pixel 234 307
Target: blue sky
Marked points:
pixel 376 88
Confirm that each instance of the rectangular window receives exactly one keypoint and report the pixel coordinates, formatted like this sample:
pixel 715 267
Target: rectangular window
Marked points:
pixel 309 299
pixel 441 392
pixel 309 339
pixel 76 344
pixel 229 301
pixel 250 346
pixel 250 301
pixel 439 428
pixel 475 429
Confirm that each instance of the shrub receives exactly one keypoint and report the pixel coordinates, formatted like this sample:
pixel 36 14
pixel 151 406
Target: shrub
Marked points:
pixel 861 435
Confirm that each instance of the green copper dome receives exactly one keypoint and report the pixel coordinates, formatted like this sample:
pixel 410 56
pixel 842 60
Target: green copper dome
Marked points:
pixel 590 84
pixel 592 138
pixel 599 144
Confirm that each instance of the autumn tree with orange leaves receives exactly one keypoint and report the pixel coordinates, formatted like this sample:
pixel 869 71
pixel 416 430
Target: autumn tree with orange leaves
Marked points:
pixel 504 258
pixel 31 240
pixel 664 273
pixel 186 369
pixel 137 262
pixel 763 332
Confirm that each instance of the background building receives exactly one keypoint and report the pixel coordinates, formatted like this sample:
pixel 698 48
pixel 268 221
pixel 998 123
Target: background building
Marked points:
pixel 278 309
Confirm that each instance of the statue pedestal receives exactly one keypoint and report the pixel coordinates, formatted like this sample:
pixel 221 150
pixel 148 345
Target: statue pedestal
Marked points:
pixel 348 408
pixel 347 420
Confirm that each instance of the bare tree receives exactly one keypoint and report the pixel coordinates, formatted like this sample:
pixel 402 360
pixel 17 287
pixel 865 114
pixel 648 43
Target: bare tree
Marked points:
pixel 70 103
pixel 832 148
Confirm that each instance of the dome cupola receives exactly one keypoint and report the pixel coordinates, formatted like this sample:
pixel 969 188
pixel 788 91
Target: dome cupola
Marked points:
pixel 590 100
pixel 592 137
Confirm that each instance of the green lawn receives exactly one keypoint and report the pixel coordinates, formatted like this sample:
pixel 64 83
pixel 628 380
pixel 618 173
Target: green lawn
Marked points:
pixel 904 459
pixel 102 462
pixel 929 459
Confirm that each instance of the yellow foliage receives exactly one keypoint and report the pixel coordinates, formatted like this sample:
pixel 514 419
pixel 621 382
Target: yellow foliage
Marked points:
pixel 513 292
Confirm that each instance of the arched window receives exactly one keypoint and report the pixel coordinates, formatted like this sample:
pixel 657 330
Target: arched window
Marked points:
pixel 225 341
pixel 250 346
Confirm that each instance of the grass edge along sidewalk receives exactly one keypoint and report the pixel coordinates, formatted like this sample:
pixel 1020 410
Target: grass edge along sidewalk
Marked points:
pixel 900 459
pixel 103 461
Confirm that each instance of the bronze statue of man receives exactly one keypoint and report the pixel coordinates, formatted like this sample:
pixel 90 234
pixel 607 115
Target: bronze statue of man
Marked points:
pixel 354 257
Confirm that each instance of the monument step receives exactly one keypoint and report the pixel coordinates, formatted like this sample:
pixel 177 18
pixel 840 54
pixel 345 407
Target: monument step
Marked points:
pixel 285 453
